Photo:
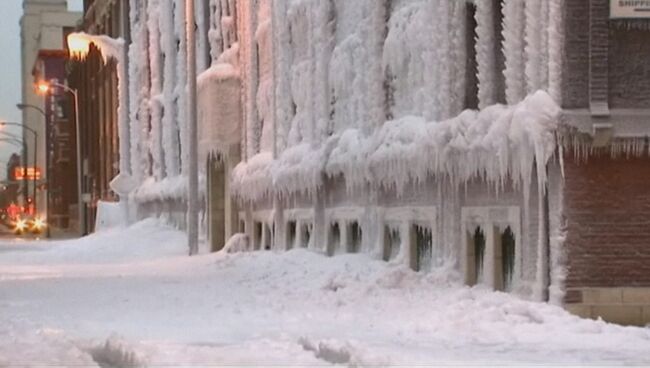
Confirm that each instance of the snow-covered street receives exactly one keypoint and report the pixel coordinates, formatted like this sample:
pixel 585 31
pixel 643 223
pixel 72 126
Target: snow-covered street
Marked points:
pixel 133 297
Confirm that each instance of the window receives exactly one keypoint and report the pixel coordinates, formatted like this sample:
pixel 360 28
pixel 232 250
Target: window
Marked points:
pixel 305 234
pixel 423 247
pixel 268 237
pixel 257 236
pixel 479 253
pixel 355 237
pixel 490 245
pixel 291 234
pixel 334 238
pixel 508 258
pixel 392 243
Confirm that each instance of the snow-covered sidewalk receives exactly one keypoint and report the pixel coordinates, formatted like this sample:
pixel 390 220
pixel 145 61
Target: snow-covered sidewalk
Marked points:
pixel 132 297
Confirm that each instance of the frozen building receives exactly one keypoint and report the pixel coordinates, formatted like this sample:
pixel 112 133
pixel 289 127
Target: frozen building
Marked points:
pixel 504 143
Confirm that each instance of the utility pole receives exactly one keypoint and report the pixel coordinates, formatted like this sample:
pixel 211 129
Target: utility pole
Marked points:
pixel 193 182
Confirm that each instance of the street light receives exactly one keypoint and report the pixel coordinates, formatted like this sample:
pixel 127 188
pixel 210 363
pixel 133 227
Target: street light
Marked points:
pixel 45 88
pixel 5 123
pixel 23 106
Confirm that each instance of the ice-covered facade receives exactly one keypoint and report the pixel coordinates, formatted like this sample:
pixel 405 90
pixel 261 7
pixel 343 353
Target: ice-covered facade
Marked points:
pixel 449 136
pixel 418 131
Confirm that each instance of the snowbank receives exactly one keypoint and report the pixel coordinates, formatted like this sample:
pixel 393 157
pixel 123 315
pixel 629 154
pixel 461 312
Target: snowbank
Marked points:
pixel 266 308
pixel 144 240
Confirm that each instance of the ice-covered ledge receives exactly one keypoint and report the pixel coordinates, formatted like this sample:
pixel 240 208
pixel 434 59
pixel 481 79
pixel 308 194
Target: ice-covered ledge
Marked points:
pixel 498 143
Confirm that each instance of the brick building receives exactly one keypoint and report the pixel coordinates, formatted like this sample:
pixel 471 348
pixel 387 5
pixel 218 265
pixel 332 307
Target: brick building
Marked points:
pixel 96 83
pixel 606 100
pixel 502 142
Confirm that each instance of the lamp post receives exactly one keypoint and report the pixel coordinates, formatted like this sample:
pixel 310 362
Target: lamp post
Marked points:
pixel 5 123
pixel 23 106
pixel 44 88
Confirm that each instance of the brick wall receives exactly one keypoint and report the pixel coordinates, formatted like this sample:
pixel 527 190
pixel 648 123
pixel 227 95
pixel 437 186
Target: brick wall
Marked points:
pixel 575 68
pixel 607 206
pixel 629 67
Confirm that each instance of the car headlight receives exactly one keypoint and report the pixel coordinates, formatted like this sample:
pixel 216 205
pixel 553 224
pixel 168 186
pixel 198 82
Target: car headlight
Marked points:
pixel 39 224
pixel 20 225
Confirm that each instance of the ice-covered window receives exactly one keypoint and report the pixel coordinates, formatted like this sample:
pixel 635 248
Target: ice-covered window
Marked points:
pixel 291 234
pixel 490 235
pixel 392 242
pixel 355 237
pixel 257 236
pixel 305 234
pixel 334 237
pixel 507 258
pixel 268 236
pixel 479 253
pixel 423 247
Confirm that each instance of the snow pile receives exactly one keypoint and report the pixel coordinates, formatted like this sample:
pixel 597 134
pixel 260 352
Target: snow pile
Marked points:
pixel 498 144
pixel 174 187
pixel 142 241
pixel 161 308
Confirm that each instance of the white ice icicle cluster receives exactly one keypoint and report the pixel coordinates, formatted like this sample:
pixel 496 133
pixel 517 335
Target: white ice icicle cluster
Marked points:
pixel 497 144
pixel 156 75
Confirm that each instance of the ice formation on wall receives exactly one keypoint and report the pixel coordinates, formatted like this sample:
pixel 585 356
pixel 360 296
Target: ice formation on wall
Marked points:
pixel 513 48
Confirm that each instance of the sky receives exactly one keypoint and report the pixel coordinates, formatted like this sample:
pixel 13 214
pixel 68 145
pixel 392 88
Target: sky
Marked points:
pixel 10 68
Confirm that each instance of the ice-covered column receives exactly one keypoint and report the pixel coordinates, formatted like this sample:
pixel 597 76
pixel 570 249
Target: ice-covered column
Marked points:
pixel 323 24
pixel 555 41
pixel 202 47
pixel 533 36
pixel 282 78
pixel 485 46
pixel 134 87
pixel 376 32
pixel 144 96
pixel 543 49
pixel 155 70
pixel 247 22
pixel 169 120
pixel 458 55
pixel 180 90
pixel 264 97
pixel 513 49
pixel 215 34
